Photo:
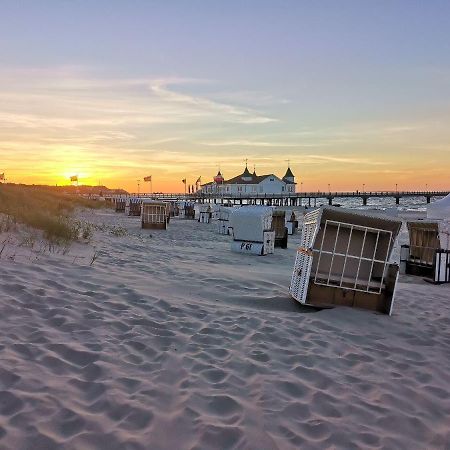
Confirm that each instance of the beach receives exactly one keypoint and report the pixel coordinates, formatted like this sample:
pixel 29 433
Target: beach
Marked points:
pixel 168 340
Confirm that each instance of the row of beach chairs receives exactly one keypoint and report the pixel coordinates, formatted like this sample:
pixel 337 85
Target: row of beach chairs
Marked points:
pixel 344 256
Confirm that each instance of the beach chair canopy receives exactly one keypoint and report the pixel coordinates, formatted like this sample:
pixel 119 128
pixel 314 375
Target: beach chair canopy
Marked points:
pixel 250 222
pixel 439 210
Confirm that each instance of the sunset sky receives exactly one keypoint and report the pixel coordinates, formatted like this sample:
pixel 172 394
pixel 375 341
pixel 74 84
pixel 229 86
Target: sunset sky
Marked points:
pixel 350 92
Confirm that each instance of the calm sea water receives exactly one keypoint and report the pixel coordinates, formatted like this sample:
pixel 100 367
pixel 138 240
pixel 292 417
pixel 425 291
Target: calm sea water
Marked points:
pixel 417 203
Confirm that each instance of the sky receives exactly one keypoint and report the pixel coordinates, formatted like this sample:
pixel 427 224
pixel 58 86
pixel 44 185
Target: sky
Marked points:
pixel 350 92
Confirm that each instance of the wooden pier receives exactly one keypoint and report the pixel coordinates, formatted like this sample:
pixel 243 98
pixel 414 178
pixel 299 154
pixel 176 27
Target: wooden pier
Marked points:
pixel 292 199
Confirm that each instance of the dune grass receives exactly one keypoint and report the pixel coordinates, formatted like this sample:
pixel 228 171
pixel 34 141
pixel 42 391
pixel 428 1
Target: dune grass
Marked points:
pixel 44 209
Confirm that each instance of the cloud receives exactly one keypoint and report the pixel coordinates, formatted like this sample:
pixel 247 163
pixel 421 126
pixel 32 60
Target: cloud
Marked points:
pixel 247 143
pixel 343 160
pixel 73 99
pixel 204 105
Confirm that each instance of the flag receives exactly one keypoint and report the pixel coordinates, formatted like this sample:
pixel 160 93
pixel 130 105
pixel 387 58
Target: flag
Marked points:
pixel 74 178
pixel 2 176
pixel 149 178
pixel 183 181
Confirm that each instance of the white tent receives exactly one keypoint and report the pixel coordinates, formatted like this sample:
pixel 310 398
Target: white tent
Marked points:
pixel 440 209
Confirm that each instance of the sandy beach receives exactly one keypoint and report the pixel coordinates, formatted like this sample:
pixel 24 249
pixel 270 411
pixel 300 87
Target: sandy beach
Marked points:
pixel 167 340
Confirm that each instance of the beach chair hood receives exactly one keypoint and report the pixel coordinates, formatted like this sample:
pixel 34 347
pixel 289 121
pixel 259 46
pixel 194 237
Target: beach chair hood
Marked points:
pixel 439 210
pixel 250 222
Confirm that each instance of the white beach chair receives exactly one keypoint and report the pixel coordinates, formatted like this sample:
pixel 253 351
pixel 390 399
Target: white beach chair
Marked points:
pixel 223 219
pixel 205 214
pixel 291 223
pixel 343 259
pixel 252 230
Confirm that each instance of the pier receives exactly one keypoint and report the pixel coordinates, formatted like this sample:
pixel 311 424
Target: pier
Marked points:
pixel 292 199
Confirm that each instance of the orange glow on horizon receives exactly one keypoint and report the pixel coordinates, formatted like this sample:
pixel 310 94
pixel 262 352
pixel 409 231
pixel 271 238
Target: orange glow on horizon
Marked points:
pixel 329 177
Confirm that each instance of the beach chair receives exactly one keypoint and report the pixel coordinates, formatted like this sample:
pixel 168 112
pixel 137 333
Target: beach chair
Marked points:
pixel 279 226
pixel 291 223
pixel 205 214
pixel 155 215
pixel 134 207
pixel 252 230
pixel 189 212
pixel 223 219
pixel 428 252
pixel 120 204
pixel 171 209
pixel 344 259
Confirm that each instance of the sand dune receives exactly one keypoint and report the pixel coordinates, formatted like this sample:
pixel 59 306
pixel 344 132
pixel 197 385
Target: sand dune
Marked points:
pixel 170 341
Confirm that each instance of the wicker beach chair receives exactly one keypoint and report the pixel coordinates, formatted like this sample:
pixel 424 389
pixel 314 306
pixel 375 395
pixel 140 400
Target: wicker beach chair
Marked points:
pixel 428 252
pixel 155 215
pixel 252 230
pixel 205 214
pixel 134 207
pixel 120 204
pixel 279 226
pixel 344 259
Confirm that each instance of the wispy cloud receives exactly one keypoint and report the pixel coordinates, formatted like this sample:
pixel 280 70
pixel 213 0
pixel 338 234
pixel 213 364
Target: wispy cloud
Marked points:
pixel 343 160
pixel 72 100
pixel 247 143
pixel 206 106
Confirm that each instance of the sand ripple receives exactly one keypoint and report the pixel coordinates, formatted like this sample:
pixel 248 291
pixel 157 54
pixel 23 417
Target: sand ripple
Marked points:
pixel 172 342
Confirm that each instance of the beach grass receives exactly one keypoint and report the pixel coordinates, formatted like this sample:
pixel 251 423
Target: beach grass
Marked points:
pixel 44 209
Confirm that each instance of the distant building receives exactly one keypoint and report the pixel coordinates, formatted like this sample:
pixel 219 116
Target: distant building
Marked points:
pixel 250 183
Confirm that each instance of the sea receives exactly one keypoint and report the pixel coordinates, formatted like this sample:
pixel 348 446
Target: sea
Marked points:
pixel 381 203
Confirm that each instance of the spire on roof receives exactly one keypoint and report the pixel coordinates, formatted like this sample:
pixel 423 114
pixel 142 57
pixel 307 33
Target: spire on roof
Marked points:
pixel 288 173
pixel 246 173
pixel 219 178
